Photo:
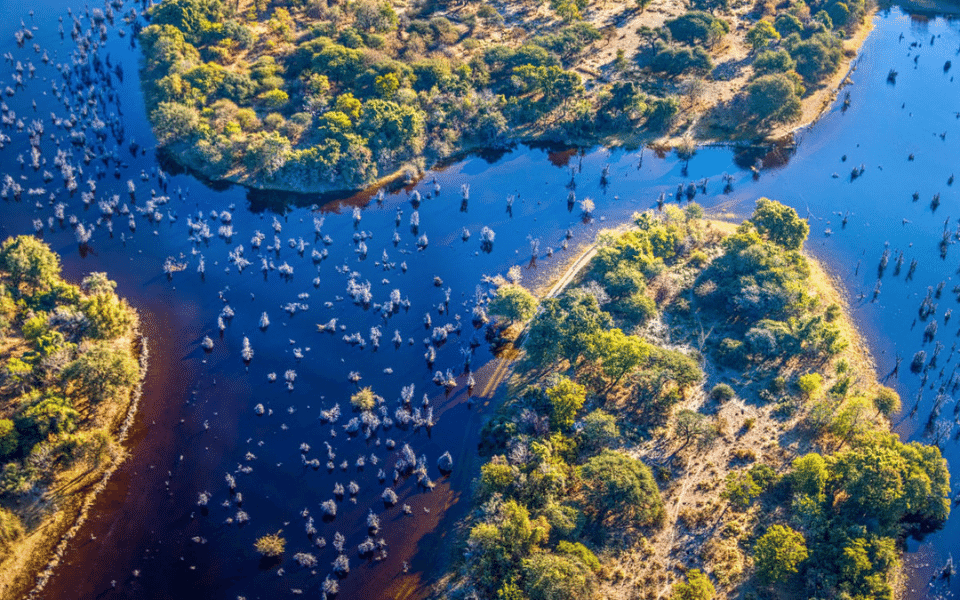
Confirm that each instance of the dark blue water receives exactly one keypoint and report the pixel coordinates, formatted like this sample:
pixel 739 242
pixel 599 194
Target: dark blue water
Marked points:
pixel 198 420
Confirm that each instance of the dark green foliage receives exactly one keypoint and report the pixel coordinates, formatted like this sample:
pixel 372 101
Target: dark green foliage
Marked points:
pixel 858 502
pixel 755 278
pixel 41 415
pixel 599 430
pixel 773 61
pixel 722 392
pixel 662 113
pixel 100 371
pixel 499 544
pixel 8 438
pixel 621 488
pixel 564 328
pixel 673 61
pixel 817 57
pixel 195 18
pixel 569 41
pixel 786 24
pixel 697 27
pixel 780 224
pixel 774 99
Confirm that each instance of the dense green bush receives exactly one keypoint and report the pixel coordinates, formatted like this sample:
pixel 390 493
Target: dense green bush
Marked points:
pixel 774 99
pixel 697 27
pixel 673 61
pixel 621 488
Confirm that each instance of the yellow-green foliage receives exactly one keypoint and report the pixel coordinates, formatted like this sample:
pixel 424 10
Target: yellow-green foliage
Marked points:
pixel 10 529
pixel 270 545
pixel 69 369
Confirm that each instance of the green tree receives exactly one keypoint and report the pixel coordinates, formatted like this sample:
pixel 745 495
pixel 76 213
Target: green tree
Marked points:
pixel 580 552
pixel 192 17
pixel 100 371
pixel 557 577
pixel 697 27
pixel 809 475
pixel 109 316
pixel 761 34
pixel 565 327
pixel 43 415
pixel 691 425
pixel 617 353
pixel 615 484
pixel 817 57
pixel 499 544
pixel 887 401
pixel 773 98
pixel 8 438
pixel 31 262
pixel 810 385
pixel 779 553
pixel 388 126
pixel 599 430
pixel 174 122
pixel 566 398
pixel 696 587
pixel 513 303
pixel 773 61
pixel 780 224
pixel 853 420
pixel 887 481
pixel 740 489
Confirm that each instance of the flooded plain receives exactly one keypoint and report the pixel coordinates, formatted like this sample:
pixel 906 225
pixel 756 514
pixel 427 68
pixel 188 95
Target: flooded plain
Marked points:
pixel 306 300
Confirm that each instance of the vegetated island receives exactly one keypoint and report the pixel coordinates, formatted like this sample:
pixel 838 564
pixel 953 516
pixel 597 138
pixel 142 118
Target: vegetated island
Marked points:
pixel 311 95
pixel 71 361
pixel 697 418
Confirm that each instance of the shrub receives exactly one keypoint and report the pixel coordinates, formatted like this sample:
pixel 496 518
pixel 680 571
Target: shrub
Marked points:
pixel 722 392
pixel 270 545
pixel 773 61
pixel 10 528
pixel 762 34
pixel 364 399
pixel 557 577
pixel 8 438
pixel 662 113
pixel 810 385
pixel 817 57
pixel 779 553
pixel 514 303
pixel 273 99
pixel 677 61
pixel 697 27
pixel 615 484
pixel 773 98
pixel 599 430
pixel 697 587
pixel 581 553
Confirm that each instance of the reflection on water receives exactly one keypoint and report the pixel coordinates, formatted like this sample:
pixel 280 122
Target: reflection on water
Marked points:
pixel 380 272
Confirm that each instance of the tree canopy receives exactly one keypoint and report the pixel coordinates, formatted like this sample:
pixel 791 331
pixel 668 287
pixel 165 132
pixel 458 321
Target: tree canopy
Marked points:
pixel 621 487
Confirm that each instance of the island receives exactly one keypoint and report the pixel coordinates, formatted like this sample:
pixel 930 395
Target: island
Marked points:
pixel 694 417
pixel 316 96
pixel 71 363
